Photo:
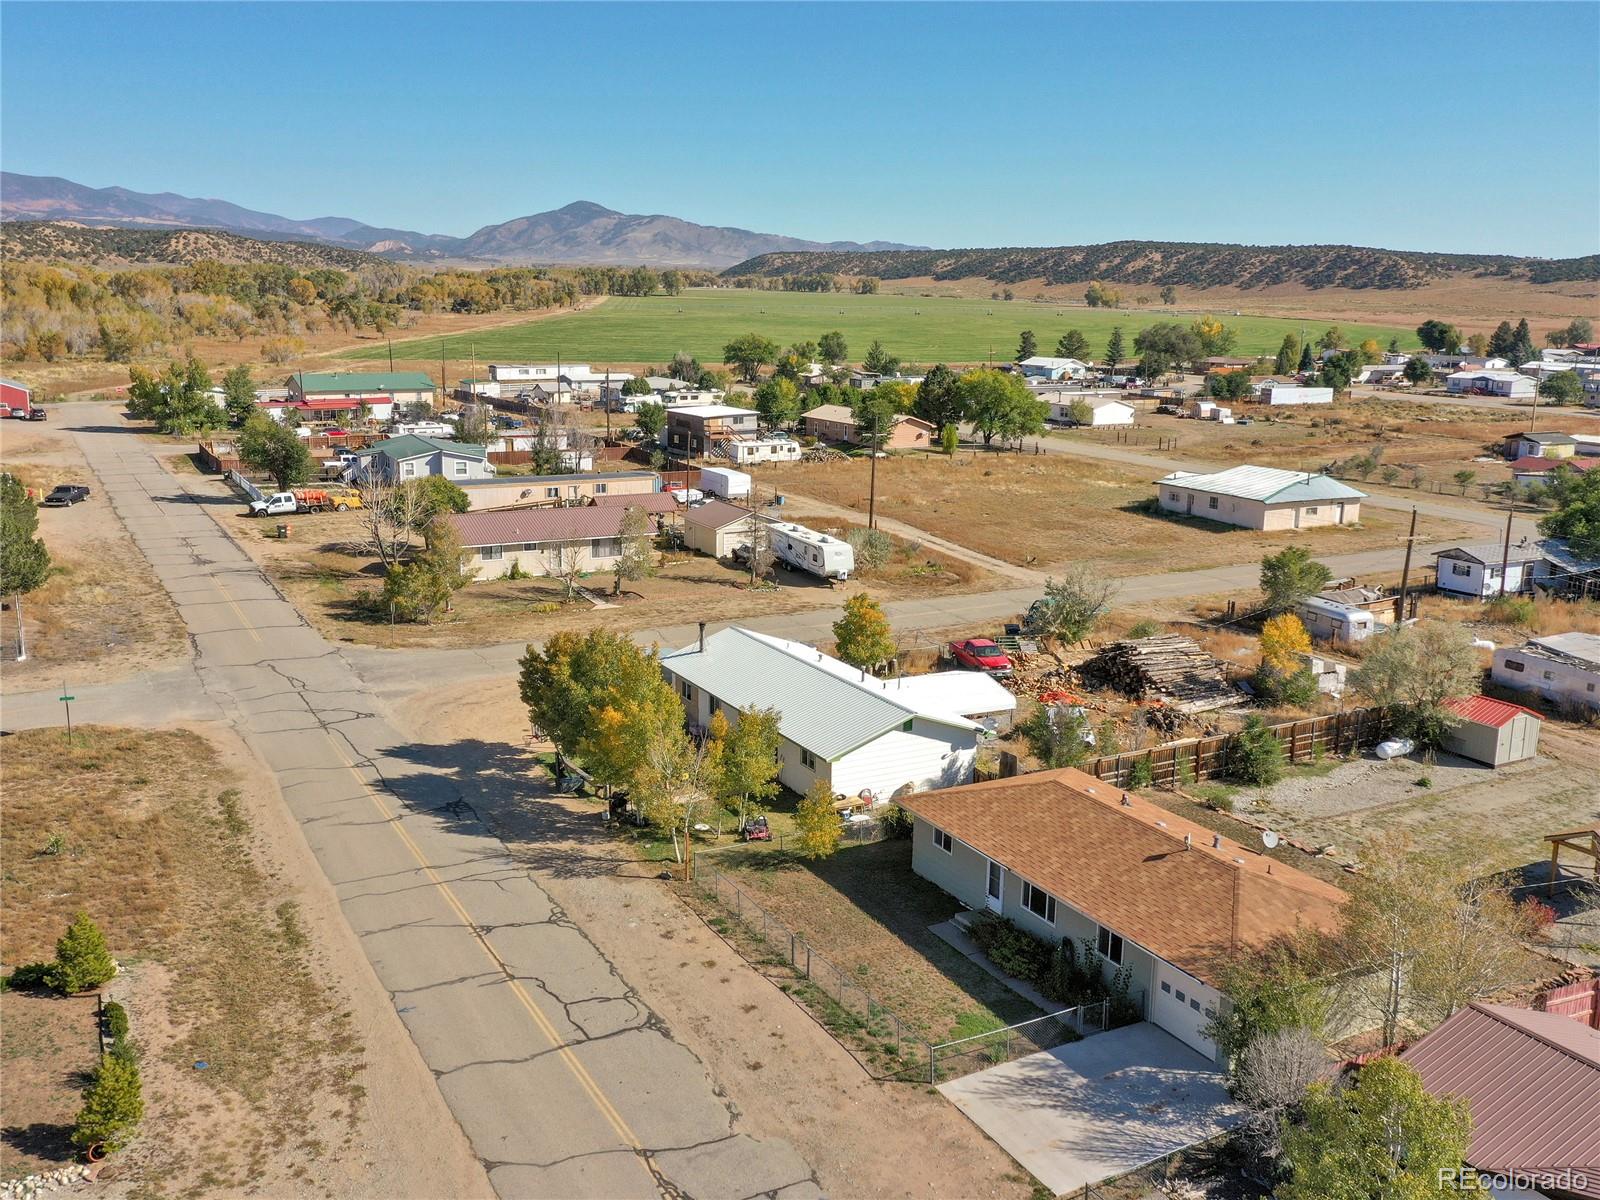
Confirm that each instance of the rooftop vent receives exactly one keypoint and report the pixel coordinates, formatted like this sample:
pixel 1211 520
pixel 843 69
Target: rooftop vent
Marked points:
pixel 1216 841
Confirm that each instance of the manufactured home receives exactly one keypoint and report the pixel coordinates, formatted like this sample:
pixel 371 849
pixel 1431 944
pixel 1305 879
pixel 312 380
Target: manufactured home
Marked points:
pixel 1261 498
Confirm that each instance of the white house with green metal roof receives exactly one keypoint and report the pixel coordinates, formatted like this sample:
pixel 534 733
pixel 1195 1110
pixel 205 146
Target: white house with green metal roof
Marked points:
pixel 1261 498
pixel 377 391
pixel 856 732
pixel 411 456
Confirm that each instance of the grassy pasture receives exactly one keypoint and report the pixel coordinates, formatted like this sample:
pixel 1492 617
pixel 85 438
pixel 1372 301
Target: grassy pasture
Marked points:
pixel 918 329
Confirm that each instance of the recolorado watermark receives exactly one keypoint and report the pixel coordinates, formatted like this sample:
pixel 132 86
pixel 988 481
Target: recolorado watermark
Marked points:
pixel 1471 1180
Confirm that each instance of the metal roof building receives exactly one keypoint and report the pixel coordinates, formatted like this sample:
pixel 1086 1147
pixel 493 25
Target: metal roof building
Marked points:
pixel 1271 485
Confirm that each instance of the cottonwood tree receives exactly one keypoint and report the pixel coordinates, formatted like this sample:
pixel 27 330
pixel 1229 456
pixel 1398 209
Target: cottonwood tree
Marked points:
pixel 862 635
pixel 651 420
pixel 266 445
pixel 1564 387
pixel 1000 405
pixel 1383 1137
pixel 778 402
pixel 744 759
pixel 939 401
pixel 749 353
pixel 1165 346
pixel 239 395
pixel 1074 605
pixel 1439 337
pixel 1288 357
pixel 1283 640
pixel 637 560
pixel 1577 514
pixel 390 517
pixel 568 563
pixel 1415 669
pixel 817 821
pixel 1289 576
pixel 1417 371
pixel 178 400
pixel 1169 294
pixel 832 347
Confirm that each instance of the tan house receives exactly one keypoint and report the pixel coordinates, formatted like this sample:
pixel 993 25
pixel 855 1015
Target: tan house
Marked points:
pixel 1260 498
pixel 837 423
pixel 717 528
pixel 549 491
pixel 540 541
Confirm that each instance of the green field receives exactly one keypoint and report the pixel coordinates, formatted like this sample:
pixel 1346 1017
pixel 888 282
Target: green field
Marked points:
pixel 628 330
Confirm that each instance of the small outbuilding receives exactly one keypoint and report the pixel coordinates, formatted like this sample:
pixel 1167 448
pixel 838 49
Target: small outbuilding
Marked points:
pixel 718 528
pixel 1491 731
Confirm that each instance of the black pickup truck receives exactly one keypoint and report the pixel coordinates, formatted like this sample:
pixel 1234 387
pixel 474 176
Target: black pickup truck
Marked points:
pixel 64 495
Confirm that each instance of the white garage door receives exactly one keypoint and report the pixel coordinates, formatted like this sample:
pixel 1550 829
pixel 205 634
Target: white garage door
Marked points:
pixel 1184 1006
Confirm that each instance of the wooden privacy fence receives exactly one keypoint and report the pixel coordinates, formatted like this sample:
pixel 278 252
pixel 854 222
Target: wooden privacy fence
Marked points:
pixel 1197 758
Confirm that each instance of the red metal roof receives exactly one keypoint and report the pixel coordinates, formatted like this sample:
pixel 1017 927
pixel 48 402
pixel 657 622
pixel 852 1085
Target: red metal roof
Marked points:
pixel 1532 1080
pixel 1481 710
pixel 1530 463
pixel 651 502
pixel 509 526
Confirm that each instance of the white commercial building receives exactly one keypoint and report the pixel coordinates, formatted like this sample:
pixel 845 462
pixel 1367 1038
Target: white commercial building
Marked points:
pixel 858 734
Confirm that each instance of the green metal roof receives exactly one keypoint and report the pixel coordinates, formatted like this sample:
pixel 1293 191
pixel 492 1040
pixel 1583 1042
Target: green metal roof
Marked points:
pixel 411 445
pixel 311 382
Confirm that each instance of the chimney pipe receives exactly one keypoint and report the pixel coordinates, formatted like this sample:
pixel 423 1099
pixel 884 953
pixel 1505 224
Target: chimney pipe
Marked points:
pixel 1216 841
pixel 1126 802
pixel 1188 841
pixel 702 637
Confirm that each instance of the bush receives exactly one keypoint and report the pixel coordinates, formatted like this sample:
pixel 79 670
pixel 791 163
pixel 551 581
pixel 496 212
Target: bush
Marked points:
pixel 872 546
pixel 83 960
pixel 1276 687
pixel 1144 629
pixel 1540 917
pixel 32 975
pixel 1141 774
pixel 1511 610
pixel 896 822
pixel 112 1104
pixel 116 1018
pixel 1257 756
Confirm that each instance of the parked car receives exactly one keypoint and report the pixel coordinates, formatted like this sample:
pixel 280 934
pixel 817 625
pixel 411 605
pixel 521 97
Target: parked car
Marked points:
pixel 981 654
pixel 64 495
pixel 35 413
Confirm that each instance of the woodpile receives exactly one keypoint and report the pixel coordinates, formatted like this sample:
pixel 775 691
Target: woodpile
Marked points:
pixel 1168 668
pixel 824 454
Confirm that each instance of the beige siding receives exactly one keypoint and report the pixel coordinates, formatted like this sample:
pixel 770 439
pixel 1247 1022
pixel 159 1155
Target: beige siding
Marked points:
pixel 532 492
pixel 718 543
pixel 536 561
pixel 1255 514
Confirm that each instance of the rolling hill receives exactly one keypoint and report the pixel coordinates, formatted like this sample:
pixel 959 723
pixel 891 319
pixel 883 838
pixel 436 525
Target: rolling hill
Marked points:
pixel 1183 264
pixel 67 241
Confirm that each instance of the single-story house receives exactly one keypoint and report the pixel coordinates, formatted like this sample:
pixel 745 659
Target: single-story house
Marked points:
pixel 839 725
pixel 1474 570
pixel 1541 445
pixel 1536 469
pixel 1531 1081
pixel 745 450
pixel 696 428
pixel 865 380
pixel 1382 373
pixel 1043 367
pixel 1105 408
pixel 531 372
pixel 1492 731
pixel 1261 498
pixel 1465 362
pixel 1563 668
pixel 318 388
pixel 837 423
pixel 1066 856
pixel 1510 384
pixel 541 541
pixel 324 410
pixel 1276 391
pixel 411 456
pixel 549 491
pixel 1222 364
pixel 717 527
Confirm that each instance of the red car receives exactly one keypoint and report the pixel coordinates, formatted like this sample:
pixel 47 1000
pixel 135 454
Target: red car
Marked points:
pixel 981 655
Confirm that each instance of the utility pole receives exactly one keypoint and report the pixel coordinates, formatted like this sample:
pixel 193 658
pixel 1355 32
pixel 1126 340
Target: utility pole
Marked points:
pixel 1534 416
pixel 605 399
pixel 872 492
pixel 391 354
pixel 22 636
pixel 444 386
pixel 1505 554
pixel 1405 572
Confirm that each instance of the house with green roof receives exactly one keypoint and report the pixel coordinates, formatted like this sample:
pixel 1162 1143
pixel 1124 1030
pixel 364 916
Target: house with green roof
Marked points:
pixel 1260 498
pixel 413 457
pixel 376 391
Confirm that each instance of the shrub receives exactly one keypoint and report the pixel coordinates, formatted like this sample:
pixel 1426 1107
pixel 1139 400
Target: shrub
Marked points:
pixel 1511 610
pixel 1298 688
pixel 112 1104
pixel 872 546
pixel 1257 756
pixel 1538 915
pixel 1144 629
pixel 32 975
pixel 896 822
pixel 1141 774
pixel 83 960
pixel 116 1018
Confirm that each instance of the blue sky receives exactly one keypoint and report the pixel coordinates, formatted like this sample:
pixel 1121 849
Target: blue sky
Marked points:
pixel 949 125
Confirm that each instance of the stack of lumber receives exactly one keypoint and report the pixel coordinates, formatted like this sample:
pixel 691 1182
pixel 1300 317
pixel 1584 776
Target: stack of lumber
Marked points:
pixel 1168 668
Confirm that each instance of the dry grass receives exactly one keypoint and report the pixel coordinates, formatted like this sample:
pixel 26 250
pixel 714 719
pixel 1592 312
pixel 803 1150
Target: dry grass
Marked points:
pixel 1488 620
pixel 50 1046
pixel 1042 511
pixel 158 851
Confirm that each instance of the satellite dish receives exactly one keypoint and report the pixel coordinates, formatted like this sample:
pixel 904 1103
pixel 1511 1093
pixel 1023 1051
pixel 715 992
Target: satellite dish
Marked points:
pixel 1269 839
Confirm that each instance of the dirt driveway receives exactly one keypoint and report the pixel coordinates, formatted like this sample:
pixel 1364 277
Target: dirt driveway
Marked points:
pixel 783 1072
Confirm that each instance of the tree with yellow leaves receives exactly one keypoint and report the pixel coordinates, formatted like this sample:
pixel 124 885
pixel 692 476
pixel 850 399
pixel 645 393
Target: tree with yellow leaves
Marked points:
pixel 1283 639
pixel 818 822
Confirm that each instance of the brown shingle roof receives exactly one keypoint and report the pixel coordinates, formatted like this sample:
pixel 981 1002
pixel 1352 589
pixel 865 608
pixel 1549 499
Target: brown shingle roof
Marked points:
pixel 651 502
pixel 1532 1081
pixel 715 514
pixel 508 526
pixel 1127 867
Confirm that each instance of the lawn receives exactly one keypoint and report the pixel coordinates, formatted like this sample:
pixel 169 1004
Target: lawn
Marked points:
pixel 918 329
pixel 1045 511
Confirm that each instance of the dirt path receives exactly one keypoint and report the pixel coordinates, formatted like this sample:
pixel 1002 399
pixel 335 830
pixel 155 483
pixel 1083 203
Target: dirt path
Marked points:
pixel 785 1075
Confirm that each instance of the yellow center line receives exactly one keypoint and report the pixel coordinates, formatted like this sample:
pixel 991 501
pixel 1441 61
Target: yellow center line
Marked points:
pixel 563 1049
pixel 237 611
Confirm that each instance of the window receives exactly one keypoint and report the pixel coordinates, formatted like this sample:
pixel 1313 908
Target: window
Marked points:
pixel 1173 496
pixel 1181 996
pixel 1110 947
pixel 808 760
pixel 1194 1004
pixel 1460 568
pixel 605 547
pixel 1549 674
pixel 491 553
pixel 1039 902
pixel 686 689
pixel 943 840
pixel 552 493
pixel 534 546
pixel 459 467
pixel 1311 511
pixel 599 489
pixel 408 469
pixel 1513 664
pixel 1166 987
pixel 1211 502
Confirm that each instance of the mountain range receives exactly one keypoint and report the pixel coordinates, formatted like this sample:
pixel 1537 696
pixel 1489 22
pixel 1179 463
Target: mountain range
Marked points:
pixel 582 232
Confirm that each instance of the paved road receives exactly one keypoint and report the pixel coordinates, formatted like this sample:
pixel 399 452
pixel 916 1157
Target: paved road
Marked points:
pixel 562 1078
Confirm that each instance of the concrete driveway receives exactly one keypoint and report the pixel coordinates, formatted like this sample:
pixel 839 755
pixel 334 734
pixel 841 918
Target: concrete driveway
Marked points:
pixel 1083 1113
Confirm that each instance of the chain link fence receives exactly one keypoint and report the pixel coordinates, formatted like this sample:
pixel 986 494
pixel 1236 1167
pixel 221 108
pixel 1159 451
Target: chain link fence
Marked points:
pixel 963 1056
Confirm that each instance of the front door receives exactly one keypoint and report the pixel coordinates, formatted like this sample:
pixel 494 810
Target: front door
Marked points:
pixel 996 888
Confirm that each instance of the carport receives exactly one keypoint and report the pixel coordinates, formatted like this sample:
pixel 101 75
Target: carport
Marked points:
pixel 1097 1108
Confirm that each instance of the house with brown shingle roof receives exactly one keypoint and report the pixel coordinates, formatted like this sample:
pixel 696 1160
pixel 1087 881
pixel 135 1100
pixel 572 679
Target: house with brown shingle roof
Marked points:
pixel 1065 855
pixel 541 541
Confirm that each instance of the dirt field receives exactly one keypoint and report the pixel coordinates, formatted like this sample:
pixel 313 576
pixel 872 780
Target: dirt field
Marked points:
pixel 1046 511
pixel 101 615
pixel 323 570
pixel 235 955
pixel 786 1075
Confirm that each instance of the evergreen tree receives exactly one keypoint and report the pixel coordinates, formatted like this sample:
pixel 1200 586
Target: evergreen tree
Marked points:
pixel 1073 345
pixel 1500 340
pixel 1114 347
pixel 113 1104
pixel 1522 348
pixel 24 561
pixel 1308 360
pixel 83 960
pixel 1288 355
pixel 1027 345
